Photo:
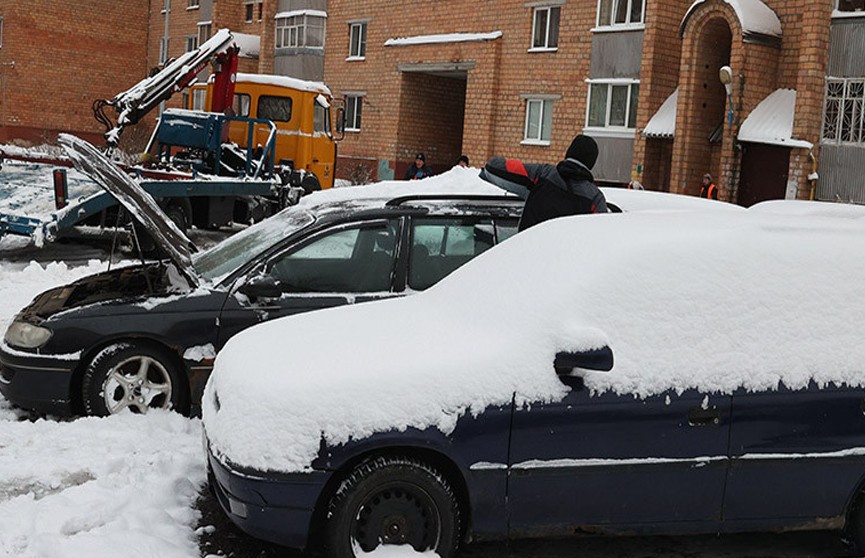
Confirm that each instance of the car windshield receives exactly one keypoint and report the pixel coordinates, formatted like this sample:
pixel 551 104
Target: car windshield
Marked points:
pixel 227 256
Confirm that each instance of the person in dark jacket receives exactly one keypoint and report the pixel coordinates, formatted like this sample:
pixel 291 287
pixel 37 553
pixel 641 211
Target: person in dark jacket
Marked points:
pixel 551 190
pixel 707 188
pixel 419 169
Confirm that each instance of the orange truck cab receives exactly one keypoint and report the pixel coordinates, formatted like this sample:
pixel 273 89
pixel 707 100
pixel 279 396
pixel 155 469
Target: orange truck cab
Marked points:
pixel 301 111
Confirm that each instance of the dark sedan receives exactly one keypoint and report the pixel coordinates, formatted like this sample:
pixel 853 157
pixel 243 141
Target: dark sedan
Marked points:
pixel 145 336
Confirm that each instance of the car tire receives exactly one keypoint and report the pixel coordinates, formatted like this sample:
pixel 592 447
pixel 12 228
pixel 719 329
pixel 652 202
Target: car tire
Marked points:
pixel 392 500
pixel 132 376
pixel 177 215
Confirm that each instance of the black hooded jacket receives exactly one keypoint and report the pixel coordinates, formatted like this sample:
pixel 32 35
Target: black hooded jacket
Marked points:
pixel 550 191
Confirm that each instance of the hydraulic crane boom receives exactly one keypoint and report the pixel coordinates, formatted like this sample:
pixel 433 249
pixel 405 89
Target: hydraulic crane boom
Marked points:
pixel 131 105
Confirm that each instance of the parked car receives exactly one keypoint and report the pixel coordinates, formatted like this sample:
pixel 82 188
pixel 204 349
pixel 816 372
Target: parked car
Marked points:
pixel 650 372
pixel 145 336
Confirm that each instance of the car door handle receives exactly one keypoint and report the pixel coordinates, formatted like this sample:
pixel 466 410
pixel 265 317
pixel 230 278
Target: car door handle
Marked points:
pixel 698 416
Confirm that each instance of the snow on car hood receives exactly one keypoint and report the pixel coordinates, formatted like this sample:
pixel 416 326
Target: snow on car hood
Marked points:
pixel 134 199
pixel 711 300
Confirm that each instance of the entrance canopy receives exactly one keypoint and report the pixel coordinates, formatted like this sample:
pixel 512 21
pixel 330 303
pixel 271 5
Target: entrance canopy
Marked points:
pixel 771 122
pixel 759 23
pixel 663 123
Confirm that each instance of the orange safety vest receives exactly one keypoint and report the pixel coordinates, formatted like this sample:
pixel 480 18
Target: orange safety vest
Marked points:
pixel 708 192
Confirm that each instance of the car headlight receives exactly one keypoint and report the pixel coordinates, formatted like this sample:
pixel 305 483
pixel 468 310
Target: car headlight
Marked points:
pixel 27 336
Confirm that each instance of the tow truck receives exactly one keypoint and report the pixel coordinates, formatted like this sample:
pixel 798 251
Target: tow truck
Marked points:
pixel 206 168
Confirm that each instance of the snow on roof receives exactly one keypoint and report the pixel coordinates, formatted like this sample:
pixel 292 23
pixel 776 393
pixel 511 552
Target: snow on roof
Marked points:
pixel 754 16
pixel 295 13
pixel 647 200
pixel 250 45
pixel 284 81
pixel 663 123
pixel 771 122
pixel 415 362
pixel 444 38
pixel 813 208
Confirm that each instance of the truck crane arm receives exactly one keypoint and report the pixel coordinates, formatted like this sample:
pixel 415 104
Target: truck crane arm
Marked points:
pixel 131 105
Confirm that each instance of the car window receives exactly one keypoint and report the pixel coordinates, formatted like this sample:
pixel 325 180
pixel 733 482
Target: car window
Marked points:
pixel 349 260
pixel 439 246
pixel 277 109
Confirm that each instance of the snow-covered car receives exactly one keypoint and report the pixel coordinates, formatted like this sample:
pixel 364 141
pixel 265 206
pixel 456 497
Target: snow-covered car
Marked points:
pixel 644 380
pixel 145 336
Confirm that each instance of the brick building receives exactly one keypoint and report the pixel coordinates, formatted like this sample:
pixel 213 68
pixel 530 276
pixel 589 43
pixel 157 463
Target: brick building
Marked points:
pixel 520 79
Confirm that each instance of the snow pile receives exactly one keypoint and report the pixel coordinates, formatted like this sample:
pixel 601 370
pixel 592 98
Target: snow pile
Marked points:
pixel 712 301
pixel 753 15
pixel 100 487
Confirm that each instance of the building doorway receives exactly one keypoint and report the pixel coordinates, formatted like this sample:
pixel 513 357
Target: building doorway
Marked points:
pixel 765 169
pixel 432 111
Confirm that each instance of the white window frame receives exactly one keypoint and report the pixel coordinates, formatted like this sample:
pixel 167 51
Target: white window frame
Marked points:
pixel 199 96
pixel 207 28
pixel 545 103
pixel 607 129
pixel 858 112
pixel 193 4
pixel 546 47
pixel 249 7
pixel 357 99
pixel 361 27
pixel 613 26
pixel 299 24
pixel 1 32
pixel 837 8
pixel 191 43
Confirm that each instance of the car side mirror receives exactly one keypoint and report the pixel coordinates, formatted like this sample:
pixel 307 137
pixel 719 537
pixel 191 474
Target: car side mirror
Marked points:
pixel 593 359
pixel 261 286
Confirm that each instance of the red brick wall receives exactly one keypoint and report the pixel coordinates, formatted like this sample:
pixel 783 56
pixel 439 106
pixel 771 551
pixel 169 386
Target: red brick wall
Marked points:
pixel 66 55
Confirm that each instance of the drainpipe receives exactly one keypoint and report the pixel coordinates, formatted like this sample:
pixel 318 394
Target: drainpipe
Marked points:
pixel 812 178
pixel 165 42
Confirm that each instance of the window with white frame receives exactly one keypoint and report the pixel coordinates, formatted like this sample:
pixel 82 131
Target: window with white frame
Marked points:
pixel 303 30
pixel 353 111
pixel 1 31
pixel 163 50
pixel 620 12
pixel 192 4
pixel 249 10
pixel 850 6
pixel 613 104
pixel 198 97
pixel 357 41
pixel 191 42
pixel 205 29
pixel 844 111
pixel 539 121
pixel 545 28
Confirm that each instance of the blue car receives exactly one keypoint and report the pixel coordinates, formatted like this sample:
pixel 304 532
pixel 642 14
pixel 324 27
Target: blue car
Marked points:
pixel 662 373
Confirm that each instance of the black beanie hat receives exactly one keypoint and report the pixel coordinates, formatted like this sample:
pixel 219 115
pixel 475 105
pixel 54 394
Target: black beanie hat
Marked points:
pixel 583 149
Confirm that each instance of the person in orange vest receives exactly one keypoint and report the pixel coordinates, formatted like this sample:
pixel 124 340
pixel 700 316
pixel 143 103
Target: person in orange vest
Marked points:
pixel 708 188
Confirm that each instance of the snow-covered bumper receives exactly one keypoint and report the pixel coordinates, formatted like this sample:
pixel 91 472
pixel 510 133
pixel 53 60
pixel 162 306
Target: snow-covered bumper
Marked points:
pixel 40 383
pixel 275 507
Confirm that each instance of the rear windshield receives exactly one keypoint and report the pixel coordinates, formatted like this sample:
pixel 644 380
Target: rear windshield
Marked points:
pixel 226 257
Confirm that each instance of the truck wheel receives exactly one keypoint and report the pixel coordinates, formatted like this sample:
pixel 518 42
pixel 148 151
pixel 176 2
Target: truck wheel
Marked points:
pixel 392 501
pixel 135 377
pixel 310 184
pixel 177 216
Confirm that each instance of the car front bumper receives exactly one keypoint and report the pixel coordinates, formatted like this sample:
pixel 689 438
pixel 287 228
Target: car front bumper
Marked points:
pixel 275 507
pixel 40 383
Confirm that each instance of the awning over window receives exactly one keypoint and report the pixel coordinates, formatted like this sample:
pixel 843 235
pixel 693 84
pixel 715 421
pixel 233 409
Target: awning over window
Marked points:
pixel 757 19
pixel 771 122
pixel 663 123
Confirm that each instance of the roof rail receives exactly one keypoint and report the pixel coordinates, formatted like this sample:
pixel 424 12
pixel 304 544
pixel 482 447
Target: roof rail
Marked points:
pixel 448 197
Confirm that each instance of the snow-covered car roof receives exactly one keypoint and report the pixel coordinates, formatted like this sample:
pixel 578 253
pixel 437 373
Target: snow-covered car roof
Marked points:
pixel 647 200
pixel 710 300
pixel 812 208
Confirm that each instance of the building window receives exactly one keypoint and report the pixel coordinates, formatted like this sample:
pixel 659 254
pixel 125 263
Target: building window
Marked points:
pixel 205 28
pixel 353 110
pixel 1 31
pixel 357 41
pixel 191 42
pixel 545 28
pixel 302 30
pixel 192 4
pixel 198 96
pixel 250 10
pixel 844 112
pixel 620 12
pixel 539 121
pixel 163 50
pixel 850 5
pixel 613 105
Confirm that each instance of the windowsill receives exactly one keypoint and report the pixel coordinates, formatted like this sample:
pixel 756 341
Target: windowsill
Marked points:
pixel 838 14
pixel 625 27
pixel 543 49
pixel 355 59
pixel 188 8
pixel 536 143
pixel 354 130
pixel 610 132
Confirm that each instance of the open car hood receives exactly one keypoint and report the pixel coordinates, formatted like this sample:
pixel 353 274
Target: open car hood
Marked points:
pixel 140 205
